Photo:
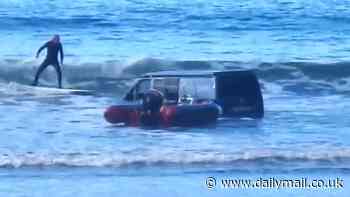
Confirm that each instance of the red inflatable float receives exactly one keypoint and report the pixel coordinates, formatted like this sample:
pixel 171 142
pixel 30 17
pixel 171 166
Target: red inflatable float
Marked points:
pixel 152 112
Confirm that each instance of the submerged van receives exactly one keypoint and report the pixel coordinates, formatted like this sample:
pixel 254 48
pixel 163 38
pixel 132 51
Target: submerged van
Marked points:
pixel 234 93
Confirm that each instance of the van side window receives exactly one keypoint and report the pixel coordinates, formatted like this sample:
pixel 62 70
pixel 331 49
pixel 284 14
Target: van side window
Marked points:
pixel 197 89
pixel 142 87
pixel 169 87
pixel 130 95
pixel 138 90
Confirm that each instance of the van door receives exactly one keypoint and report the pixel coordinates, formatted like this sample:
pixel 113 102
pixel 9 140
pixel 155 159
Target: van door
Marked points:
pixel 239 94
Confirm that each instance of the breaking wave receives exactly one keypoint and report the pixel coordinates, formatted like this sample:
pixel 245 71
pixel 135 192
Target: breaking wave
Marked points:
pixel 335 159
pixel 115 76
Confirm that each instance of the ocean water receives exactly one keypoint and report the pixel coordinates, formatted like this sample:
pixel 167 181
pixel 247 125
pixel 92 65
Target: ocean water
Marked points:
pixel 59 144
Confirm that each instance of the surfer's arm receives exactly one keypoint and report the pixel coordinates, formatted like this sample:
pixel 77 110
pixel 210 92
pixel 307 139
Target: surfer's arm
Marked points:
pixel 61 53
pixel 40 49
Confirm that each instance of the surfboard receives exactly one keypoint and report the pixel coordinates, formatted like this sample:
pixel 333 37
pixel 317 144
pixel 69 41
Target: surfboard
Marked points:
pixel 62 91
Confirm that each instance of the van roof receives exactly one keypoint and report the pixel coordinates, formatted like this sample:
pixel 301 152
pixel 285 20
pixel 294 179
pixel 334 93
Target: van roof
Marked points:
pixel 194 73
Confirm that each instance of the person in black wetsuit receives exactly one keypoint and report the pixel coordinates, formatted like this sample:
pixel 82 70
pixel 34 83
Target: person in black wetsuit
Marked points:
pixel 53 47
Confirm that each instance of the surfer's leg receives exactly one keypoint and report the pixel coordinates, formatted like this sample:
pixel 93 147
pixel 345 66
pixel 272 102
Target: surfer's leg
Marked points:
pixel 59 74
pixel 38 73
